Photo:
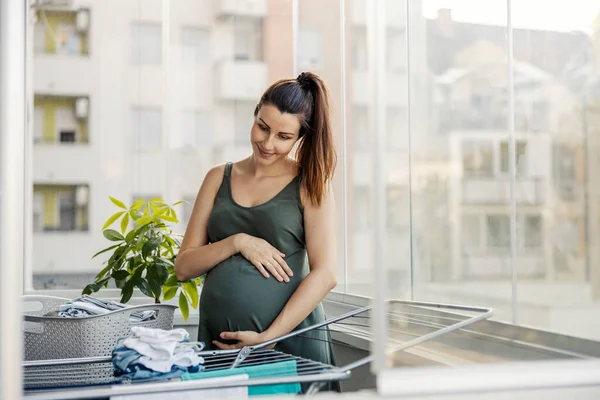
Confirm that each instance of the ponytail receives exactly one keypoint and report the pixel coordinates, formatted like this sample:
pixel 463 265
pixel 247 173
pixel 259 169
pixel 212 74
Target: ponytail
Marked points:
pixel 307 96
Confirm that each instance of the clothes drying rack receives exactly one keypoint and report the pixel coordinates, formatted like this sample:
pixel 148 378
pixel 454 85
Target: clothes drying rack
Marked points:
pixel 92 378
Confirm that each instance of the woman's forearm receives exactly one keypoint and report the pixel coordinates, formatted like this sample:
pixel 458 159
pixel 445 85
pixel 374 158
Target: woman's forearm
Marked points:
pixel 196 261
pixel 313 289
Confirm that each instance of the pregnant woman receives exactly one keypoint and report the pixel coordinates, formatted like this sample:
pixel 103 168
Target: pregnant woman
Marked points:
pixel 263 229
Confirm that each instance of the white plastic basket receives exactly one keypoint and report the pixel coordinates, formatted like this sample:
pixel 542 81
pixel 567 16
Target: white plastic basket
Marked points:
pixel 54 337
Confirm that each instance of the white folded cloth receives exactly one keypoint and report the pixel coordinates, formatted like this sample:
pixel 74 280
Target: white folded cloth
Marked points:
pixel 183 357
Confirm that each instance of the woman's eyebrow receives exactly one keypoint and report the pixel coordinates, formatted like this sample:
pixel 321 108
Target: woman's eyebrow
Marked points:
pixel 283 133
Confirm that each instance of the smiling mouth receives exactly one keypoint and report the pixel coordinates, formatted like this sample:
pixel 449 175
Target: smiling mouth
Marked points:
pixel 264 154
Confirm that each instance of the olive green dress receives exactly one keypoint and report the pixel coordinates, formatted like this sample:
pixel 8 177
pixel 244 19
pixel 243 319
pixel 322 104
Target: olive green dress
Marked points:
pixel 236 297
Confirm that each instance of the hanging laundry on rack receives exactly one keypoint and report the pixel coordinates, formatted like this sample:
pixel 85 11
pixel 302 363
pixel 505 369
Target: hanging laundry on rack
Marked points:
pixel 85 306
pixel 156 354
pixel 267 370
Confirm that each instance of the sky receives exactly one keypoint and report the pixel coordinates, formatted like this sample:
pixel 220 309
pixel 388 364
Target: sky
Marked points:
pixel 559 15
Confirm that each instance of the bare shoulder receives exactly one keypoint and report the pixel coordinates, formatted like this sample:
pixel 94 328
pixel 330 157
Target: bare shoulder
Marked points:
pixel 327 204
pixel 214 177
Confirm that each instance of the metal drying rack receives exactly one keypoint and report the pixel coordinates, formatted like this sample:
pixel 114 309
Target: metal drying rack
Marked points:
pixel 91 378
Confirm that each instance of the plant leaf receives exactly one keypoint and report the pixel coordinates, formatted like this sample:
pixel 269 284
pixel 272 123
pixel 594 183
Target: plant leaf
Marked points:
pixel 112 219
pixel 164 262
pixel 89 289
pixel 103 272
pixel 120 275
pixel 172 281
pixel 150 246
pixel 153 281
pixel 146 219
pixel 105 250
pixel 183 306
pixel 126 292
pixel 113 235
pixel 191 289
pixel 124 223
pixel 117 203
pixel 144 287
pixel 169 293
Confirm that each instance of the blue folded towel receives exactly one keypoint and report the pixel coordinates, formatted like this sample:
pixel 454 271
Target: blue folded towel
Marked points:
pixel 285 368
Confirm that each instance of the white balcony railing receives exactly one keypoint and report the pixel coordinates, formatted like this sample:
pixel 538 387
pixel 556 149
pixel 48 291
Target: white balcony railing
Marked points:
pixel 497 191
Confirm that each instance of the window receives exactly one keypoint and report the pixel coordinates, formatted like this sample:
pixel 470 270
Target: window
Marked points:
pixel 478 158
pixel 247 40
pixel 396 51
pixel 67 211
pixel 533 231
pixel 396 128
pixel 67 136
pixel 38 124
pixel 498 231
pixel 58 32
pixel 310 49
pixel 146 43
pixel 195 46
pixel 471 231
pixel 60 208
pixel 362 211
pixel 359 49
pixel 563 163
pixel 360 127
pixel 146 128
pixel 521 157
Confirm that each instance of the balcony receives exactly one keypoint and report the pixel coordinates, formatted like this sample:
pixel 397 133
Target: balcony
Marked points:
pixel 241 8
pixel 240 80
pixel 46 168
pixel 59 74
pixel 497 191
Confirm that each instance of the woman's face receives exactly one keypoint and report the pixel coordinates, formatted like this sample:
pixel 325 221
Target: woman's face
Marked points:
pixel 273 134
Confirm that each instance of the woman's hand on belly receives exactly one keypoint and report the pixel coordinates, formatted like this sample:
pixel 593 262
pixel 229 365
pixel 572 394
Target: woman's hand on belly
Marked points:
pixel 264 257
pixel 244 338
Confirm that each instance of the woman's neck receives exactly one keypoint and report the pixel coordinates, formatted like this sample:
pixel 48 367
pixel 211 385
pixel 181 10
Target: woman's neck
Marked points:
pixel 281 167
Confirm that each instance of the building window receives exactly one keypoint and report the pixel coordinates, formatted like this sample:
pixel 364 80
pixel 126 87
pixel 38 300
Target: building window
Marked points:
pixel 247 40
pixel 478 158
pixel 362 210
pixel 471 231
pixel 67 136
pixel 360 122
pixel 533 231
pixel 396 54
pixel 359 49
pixel 146 127
pixel 396 128
pixel 61 32
pixel 498 231
pixel 397 208
pixel 146 43
pixel 195 46
pixel 310 49
pixel 564 158
pixel 60 208
pixel 521 157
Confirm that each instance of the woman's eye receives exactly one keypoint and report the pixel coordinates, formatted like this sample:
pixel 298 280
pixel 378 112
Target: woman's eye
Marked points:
pixel 284 137
pixel 263 128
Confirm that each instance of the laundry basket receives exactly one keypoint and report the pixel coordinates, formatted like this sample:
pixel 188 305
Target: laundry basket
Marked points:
pixel 54 337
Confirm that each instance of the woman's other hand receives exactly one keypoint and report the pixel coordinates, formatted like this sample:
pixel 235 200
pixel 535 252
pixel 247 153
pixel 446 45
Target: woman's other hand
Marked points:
pixel 263 256
pixel 244 338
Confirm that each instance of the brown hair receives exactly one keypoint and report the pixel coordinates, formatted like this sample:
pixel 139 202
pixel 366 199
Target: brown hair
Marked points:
pixel 308 98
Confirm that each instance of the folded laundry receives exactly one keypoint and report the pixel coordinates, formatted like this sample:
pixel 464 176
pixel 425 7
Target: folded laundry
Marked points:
pixel 156 354
pixel 86 306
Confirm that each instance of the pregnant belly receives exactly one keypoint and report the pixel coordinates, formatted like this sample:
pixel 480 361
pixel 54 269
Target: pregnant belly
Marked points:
pixel 235 296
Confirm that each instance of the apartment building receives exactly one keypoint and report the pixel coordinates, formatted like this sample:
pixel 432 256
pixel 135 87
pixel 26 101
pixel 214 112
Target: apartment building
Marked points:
pixel 105 124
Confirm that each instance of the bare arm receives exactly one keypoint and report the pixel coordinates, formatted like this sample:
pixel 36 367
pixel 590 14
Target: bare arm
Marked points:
pixel 319 226
pixel 196 256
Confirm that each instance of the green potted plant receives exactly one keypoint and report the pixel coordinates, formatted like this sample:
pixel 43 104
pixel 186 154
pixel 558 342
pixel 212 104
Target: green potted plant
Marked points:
pixel 143 255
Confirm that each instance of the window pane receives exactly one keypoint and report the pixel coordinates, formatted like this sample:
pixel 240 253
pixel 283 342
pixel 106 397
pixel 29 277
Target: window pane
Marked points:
pixel 146 126
pixel 146 41
pixel 195 46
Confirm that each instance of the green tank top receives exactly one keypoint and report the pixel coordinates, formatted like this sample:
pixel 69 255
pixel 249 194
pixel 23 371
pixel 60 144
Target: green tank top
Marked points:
pixel 235 296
